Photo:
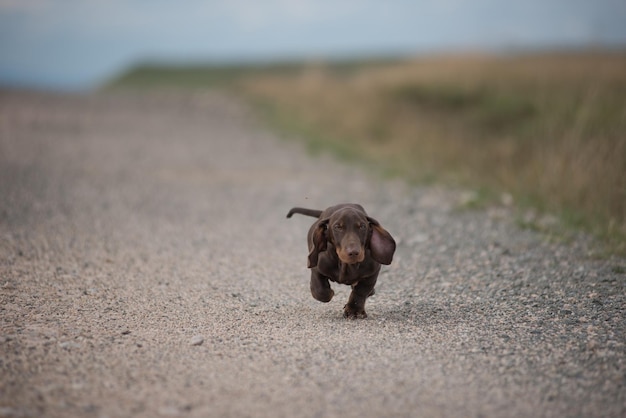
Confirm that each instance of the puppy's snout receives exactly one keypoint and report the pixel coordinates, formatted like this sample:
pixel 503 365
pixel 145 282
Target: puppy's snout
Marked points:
pixel 353 251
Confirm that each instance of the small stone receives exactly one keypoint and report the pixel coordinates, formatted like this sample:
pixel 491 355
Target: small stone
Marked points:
pixel 197 340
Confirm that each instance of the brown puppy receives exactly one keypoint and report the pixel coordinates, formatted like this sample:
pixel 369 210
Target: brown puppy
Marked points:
pixel 346 246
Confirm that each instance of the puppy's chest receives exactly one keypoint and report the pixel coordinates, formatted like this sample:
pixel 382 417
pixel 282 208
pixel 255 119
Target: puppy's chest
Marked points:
pixel 343 273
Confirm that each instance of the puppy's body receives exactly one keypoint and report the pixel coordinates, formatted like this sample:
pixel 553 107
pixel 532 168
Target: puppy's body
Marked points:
pixel 346 246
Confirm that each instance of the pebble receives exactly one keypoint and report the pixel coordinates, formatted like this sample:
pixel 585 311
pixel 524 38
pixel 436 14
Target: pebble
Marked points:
pixel 197 340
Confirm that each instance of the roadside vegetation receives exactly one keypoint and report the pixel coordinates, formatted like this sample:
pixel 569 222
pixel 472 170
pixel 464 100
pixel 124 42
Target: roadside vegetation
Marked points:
pixel 546 131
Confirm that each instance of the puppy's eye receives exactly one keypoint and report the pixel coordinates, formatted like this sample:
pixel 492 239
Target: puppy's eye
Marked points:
pixel 362 226
pixel 338 227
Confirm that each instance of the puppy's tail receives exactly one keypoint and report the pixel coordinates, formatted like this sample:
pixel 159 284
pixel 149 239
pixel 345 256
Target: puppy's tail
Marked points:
pixel 303 211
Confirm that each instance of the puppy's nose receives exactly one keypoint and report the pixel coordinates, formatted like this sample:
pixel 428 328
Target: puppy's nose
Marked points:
pixel 353 250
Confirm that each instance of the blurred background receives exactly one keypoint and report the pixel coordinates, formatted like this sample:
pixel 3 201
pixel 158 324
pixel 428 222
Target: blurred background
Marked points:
pixel 74 44
pixel 522 102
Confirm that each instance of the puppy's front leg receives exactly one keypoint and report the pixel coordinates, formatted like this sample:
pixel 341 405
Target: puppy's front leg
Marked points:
pixel 320 287
pixel 355 308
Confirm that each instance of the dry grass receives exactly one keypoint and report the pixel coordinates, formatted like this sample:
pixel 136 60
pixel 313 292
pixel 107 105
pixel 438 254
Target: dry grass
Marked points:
pixel 548 129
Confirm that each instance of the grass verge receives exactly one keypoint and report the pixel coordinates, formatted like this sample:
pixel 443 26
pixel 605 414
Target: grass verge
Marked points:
pixel 546 129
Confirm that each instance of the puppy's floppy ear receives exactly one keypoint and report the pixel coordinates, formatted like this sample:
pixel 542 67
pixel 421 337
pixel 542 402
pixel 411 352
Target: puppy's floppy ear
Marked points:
pixel 318 240
pixel 381 243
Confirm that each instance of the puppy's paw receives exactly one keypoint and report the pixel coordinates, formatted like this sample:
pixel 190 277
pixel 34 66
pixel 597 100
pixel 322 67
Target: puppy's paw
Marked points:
pixel 324 295
pixel 353 312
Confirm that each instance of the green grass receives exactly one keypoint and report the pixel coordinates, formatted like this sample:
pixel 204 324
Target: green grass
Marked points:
pixel 156 76
pixel 198 76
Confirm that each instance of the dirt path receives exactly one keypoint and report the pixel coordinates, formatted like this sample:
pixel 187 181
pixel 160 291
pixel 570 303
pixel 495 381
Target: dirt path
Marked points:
pixel 134 226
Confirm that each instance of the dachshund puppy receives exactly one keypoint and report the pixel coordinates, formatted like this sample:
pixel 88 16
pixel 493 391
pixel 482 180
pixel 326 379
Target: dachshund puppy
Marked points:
pixel 346 246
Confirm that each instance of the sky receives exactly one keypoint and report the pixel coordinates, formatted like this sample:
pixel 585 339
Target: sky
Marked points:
pixel 78 44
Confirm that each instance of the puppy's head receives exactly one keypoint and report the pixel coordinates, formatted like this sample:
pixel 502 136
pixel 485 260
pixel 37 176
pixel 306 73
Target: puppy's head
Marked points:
pixel 348 231
pixel 351 232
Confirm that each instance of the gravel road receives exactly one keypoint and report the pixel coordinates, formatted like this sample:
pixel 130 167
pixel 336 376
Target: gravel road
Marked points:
pixel 147 269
